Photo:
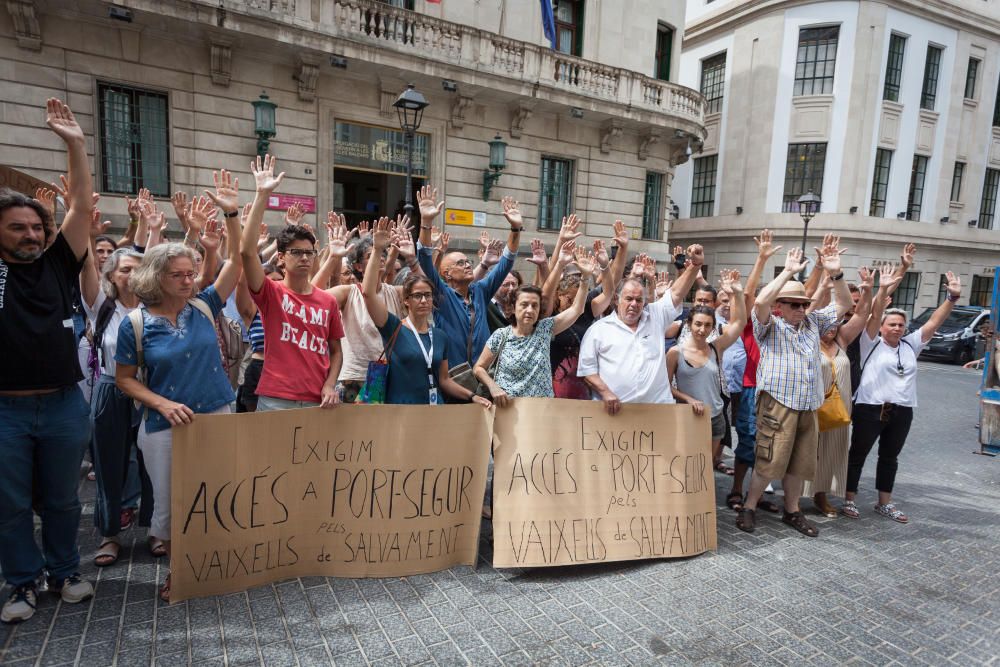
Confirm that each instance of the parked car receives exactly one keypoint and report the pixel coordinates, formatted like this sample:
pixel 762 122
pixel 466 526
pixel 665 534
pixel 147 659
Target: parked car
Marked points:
pixel 956 338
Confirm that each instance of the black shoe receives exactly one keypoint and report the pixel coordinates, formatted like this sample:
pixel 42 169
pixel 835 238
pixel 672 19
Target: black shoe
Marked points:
pixel 746 520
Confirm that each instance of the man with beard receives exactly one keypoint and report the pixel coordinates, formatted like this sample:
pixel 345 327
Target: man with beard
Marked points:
pixel 44 420
pixel 622 356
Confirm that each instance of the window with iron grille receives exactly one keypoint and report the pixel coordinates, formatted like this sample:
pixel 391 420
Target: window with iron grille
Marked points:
pixel 133 131
pixel 815 60
pixel 988 205
pixel 664 48
pixel 982 291
pixel 880 182
pixel 956 181
pixel 555 192
pixel 803 173
pixel 971 74
pixel 905 296
pixel 932 69
pixel 894 68
pixel 652 209
pixel 713 79
pixel 916 196
pixel 703 188
pixel 569 26
pixel 996 109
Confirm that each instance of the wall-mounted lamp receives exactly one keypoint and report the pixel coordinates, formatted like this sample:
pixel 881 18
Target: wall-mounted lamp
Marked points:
pixel 944 220
pixel 901 215
pixel 263 120
pixel 120 13
pixel 449 85
pixel 854 209
pixel 576 112
pixel 339 62
pixel 973 222
pixel 498 162
pixel 739 210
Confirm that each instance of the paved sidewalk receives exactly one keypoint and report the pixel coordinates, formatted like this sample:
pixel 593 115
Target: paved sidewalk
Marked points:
pixel 867 592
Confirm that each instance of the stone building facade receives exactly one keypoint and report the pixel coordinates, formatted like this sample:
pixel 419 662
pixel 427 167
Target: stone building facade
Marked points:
pixel 163 89
pixel 890 112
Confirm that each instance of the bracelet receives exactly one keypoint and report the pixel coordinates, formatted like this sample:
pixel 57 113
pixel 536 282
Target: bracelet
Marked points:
pixel 426 226
pixel 839 276
pixel 605 267
pixel 954 297
pixel 230 214
pixel 133 221
pixel 515 230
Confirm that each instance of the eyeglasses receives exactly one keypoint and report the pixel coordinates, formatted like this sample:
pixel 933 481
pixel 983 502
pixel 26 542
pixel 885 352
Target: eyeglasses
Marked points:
pixel 421 296
pixel 301 252
pixel 462 262
pixel 794 305
pixel 182 275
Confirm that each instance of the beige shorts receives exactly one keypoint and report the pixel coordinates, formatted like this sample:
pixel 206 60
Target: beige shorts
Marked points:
pixel 786 440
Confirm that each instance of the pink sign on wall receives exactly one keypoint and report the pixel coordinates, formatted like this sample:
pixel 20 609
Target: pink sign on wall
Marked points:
pixel 282 202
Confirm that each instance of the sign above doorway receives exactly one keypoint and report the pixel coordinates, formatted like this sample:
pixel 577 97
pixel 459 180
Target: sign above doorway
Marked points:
pixel 378 149
pixel 454 216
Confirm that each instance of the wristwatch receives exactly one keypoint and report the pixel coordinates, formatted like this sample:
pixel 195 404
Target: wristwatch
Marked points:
pixel 230 214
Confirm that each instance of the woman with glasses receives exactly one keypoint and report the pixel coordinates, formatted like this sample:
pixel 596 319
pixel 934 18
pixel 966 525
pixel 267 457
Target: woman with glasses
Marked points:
pixel 416 351
pixel 179 353
pixel 887 395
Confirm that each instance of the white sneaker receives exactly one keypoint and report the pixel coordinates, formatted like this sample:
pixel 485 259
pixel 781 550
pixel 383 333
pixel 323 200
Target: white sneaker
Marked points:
pixel 20 606
pixel 72 589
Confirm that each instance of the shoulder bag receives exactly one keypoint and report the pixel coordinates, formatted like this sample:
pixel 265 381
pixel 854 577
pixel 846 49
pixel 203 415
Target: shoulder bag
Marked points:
pixel 372 391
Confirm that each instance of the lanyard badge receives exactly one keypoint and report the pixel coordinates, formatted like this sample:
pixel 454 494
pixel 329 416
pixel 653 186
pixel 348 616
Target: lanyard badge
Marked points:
pixel 428 354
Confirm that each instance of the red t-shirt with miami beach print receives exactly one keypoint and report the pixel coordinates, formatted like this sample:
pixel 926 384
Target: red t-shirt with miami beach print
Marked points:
pixel 298 330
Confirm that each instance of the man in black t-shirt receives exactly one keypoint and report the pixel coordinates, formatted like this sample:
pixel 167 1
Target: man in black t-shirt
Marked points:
pixel 44 420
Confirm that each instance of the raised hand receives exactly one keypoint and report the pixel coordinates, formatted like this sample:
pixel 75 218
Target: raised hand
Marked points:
pixel 443 241
pixel 601 254
pixel 866 278
pixel 887 277
pixel 620 235
pixel 200 213
pixel 157 221
pixel 381 233
pixel 696 254
pixel 585 261
pixel 364 229
pixel 568 230
pixel 794 262
pixel 492 254
pixel 567 252
pixel 63 190
pixel 648 266
pixel 336 231
pixel 180 202
pixel 831 253
pixel 954 284
pixel 484 242
pixel 908 256
pixel 97 227
pixel 294 214
pixel 765 244
pixel 227 189
pixel 427 202
pixel 512 212
pixel 133 208
pixel 663 283
pixel 404 238
pixel 60 120
pixel 211 238
pixel 145 194
pixel 538 254
pixel 47 198
pixel 730 281
pixel 263 174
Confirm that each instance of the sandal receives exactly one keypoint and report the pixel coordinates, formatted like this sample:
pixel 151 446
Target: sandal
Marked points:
pixel 890 511
pixel 165 590
pixel 724 469
pixel 107 553
pixel 768 506
pixel 798 521
pixel 734 501
pixel 746 520
pixel 156 547
pixel 850 510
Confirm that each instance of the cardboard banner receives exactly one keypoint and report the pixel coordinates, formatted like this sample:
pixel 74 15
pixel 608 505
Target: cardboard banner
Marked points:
pixel 572 484
pixel 358 491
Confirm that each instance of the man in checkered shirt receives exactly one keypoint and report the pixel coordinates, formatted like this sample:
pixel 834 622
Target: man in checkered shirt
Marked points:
pixel 789 383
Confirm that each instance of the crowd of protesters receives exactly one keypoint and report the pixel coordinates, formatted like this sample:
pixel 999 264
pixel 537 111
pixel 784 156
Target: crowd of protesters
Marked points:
pixel 109 344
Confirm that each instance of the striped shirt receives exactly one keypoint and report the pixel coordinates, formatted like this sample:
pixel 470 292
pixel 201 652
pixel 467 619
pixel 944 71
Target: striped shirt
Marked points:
pixel 789 368
pixel 256 333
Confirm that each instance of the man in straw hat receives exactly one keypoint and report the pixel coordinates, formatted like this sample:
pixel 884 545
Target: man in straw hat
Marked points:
pixel 789 383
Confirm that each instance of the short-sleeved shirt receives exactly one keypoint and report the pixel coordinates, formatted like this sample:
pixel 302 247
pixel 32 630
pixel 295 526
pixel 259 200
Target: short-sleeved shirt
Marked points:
pixel 183 362
pixel 408 381
pixel 298 330
pixel 524 369
pixel 631 363
pixel 881 378
pixel 752 351
pixel 36 321
pixel 790 369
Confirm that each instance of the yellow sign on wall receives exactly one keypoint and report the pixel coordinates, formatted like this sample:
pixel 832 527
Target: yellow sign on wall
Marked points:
pixel 455 216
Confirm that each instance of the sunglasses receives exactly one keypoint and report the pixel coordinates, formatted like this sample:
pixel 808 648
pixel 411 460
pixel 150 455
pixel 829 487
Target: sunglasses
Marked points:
pixel 794 305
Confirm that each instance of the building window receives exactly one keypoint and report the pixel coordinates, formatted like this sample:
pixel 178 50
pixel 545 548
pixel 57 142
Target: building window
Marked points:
pixel 815 60
pixel 402 4
pixel 905 296
pixel 932 68
pixel 916 196
pixel 880 182
pixel 982 291
pixel 135 151
pixel 996 109
pixel 652 209
pixel 988 205
pixel 803 173
pixel 956 181
pixel 664 47
pixel 894 68
pixel 713 80
pixel 556 191
pixel 942 288
pixel 569 26
pixel 971 74
pixel 703 190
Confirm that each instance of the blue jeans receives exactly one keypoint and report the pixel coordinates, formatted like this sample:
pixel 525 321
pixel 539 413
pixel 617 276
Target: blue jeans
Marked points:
pixel 42 440
pixel 746 426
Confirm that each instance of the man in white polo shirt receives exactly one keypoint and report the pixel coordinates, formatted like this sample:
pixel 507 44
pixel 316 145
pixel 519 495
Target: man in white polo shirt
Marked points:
pixel 622 356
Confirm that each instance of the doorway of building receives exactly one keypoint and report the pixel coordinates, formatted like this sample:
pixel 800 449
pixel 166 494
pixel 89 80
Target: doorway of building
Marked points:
pixel 366 195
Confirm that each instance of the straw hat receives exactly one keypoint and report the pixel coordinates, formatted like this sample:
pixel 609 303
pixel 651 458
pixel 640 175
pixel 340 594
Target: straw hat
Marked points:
pixel 793 290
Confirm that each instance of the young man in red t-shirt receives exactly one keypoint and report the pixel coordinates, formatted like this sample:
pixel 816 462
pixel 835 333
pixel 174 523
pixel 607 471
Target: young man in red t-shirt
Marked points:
pixel 302 326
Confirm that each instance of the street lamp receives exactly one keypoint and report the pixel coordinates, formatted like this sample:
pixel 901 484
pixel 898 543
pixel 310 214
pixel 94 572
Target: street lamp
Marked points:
pixel 498 162
pixel 410 106
pixel 263 120
pixel 808 205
